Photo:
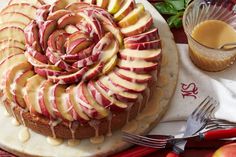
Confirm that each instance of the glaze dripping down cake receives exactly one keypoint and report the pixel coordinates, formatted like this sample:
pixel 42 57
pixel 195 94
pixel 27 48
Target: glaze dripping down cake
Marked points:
pixel 77 69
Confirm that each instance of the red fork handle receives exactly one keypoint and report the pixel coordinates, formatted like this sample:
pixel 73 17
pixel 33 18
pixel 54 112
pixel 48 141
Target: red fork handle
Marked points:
pixel 137 151
pixel 172 154
pixel 218 134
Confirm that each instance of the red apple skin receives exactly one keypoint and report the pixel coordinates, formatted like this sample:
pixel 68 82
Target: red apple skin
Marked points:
pixel 226 151
pixel 144 37
pixel 155 44
pixel 44 72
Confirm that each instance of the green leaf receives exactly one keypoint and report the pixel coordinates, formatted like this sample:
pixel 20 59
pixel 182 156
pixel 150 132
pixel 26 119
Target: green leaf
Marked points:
pixel 177 4
pixel 174 21
pixel 166 8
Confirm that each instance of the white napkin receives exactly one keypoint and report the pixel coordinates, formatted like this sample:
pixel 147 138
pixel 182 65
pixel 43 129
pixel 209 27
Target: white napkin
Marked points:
pixel 196 84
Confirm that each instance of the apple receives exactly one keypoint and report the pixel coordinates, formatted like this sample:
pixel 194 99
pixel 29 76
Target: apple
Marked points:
pixel 144 37
pixel 10 77
pixel 44 99
pixel 69 78
pixel 74 7
pixel 44 72
pixel 126 85
pixel 138 66
pixel 23 8
pixel 46 28
pixel 93 71
pixel 142 25
pixel 115 31
pixel 155 44
pixel 103 43
pixel 89 105
pixel 9 51
pixel 132 76
pixel 11 43
pixel 125 9
pixel 103 99
pixel 56 41
pixel 118 92
pixel 82 116
pixel 228 150
pixel 32 89
pixel 14 33
pixel 12 24
pixel 14 17
pixel 110 65
pixel 73 47
pixel 36 3
pixel 133 16
pixel 62 4
pixel 71 29
pixel 60 104
pixel 147 55
pixel 57 14
pixel 114 6
pixel 102 3
pixel 37 55
pixel 68 19
pixel 20 82
pixel 91 60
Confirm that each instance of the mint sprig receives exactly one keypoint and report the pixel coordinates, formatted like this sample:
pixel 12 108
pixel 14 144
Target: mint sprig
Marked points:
pixel 174 9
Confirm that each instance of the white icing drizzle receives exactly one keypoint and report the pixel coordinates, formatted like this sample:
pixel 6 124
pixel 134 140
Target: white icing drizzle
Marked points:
pixel 21 115
pixel 95 125
pixel 54 141
pixel 154 75
pixel 97 139
pixel 52 125
pixel 73 142
pixel 24 135
pixel 109 119
pixel 72 130
pixel 6 113
pixel 147 94
pixel 128 109
pixel 140 102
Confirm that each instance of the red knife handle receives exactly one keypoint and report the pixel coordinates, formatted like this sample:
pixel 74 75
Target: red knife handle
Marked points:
pixel 218 134
pixel 172 154
pixel 137 151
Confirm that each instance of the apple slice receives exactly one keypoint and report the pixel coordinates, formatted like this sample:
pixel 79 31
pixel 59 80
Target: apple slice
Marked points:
pixel 143 24
pixel 14 17
pixel 44 72
pixel 125 9
pixel 73 47
pixel 37 55
pixel 11 43
pixel 70 78
pixel 61 4
pixel 45 30
pixel 102 3
pixel 89 105
pixel 12 75
pixel 68 19
pixel 155 44
pixel 133 16
pixel 93 71
pixel 102 98
pixel 20 82
pixel 132 76
pixel 24 8
pixel 12 24
pixel 12 33
pixel 60 103
pixel 144 37
pixel 90 1
pixel 74 7
pixel 45 99
pixel 57 14
pixel 71 29
pixel 32 89
pixel 116 91
pixel 9 51
pixel 91 60
pixel 76 106
pixel 114 6
pixel 36 3
pixel 147 55
pixel 138 66
pixel 110 65
pixel 127 85
pixel 115 31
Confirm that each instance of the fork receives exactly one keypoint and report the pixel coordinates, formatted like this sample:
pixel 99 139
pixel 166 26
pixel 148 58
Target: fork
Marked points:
pixel 196 121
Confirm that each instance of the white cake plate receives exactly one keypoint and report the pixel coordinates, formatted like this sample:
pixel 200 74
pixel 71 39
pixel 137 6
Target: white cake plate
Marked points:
pixel 37 145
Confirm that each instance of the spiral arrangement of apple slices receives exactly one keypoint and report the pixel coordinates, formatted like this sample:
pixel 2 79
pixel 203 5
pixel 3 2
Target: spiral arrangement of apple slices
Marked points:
pixel 76 60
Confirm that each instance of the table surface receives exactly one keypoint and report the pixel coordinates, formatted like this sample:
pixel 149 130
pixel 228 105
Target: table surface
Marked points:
pixel 196 150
